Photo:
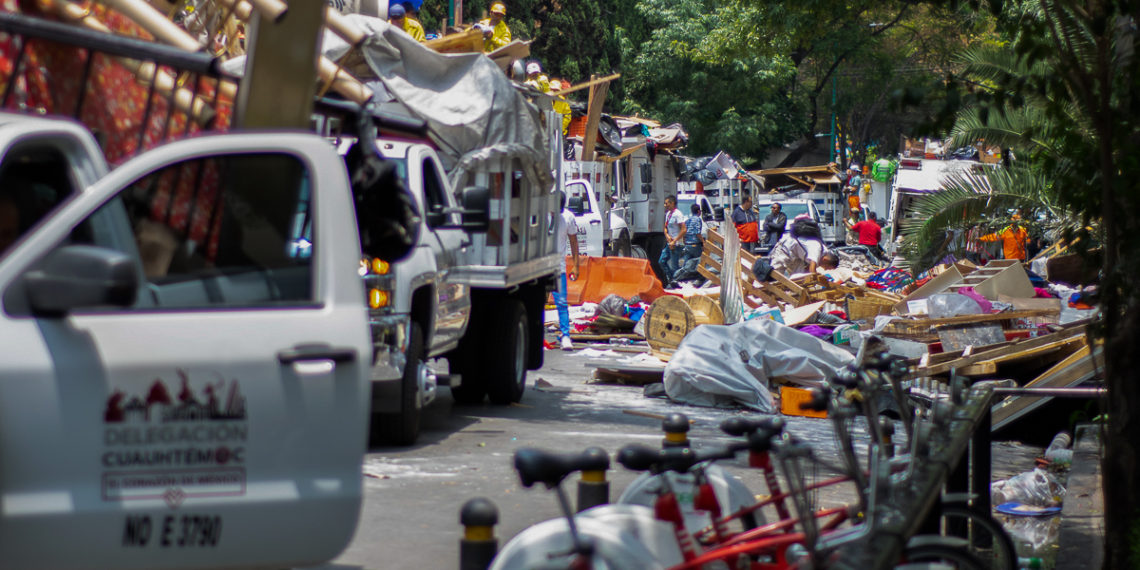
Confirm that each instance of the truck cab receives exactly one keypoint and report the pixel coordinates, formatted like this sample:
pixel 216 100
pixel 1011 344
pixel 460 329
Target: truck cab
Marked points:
pixel 185 378
pixel 582 201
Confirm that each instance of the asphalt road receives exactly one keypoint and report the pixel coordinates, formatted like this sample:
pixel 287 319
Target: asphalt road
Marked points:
pixel 410 517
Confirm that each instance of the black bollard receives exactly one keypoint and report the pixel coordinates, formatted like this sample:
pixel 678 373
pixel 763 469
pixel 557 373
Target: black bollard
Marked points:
pixel 676 428
pixel 478 546
pixel 593 488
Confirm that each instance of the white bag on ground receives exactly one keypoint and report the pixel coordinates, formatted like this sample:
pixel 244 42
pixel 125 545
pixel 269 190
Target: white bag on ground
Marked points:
pixel 731 365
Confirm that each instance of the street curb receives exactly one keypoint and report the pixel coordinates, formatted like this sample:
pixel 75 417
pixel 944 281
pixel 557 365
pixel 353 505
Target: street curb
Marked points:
pixel 1081 540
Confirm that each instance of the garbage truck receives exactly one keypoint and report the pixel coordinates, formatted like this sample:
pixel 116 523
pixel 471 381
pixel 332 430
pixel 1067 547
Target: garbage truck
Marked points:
pixel 472 292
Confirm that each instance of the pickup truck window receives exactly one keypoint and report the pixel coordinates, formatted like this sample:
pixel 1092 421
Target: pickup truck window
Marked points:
pixel 226 231
pixel 33 180
pixel 434 191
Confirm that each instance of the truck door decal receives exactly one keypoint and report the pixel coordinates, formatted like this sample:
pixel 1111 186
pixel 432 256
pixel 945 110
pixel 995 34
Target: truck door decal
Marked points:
pixel 175 447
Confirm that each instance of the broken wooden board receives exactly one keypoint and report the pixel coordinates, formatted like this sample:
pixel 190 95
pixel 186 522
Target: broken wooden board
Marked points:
pixel 467 41
pixel 1078 368
pixel 993 353
pixel 1057 350
pixel 630 375
pixel 798 315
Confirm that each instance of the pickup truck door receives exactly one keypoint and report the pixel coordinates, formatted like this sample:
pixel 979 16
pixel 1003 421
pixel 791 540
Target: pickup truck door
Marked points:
pixel 449 245
pixel 220 420
pixel 589 220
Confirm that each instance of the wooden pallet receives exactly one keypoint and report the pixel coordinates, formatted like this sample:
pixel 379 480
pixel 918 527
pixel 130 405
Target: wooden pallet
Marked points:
pixel 777 292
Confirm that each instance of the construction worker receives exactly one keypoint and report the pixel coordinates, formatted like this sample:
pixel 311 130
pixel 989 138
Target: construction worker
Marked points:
pixel 496 34
pixel 397 17
pixel 1014 239
pixel 536 78
pixel 561 106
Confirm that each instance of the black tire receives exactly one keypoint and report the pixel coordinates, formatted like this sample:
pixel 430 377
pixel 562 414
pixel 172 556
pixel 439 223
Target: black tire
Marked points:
pixel 403 427
pixel 623 247
pixel 638 252
pixel 536 313
pixel 504 360
pixel 988 540
pixel 462 361
pixel 946 552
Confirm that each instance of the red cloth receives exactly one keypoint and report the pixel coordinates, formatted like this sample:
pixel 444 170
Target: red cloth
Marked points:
pixel 749 232
pixel 869 232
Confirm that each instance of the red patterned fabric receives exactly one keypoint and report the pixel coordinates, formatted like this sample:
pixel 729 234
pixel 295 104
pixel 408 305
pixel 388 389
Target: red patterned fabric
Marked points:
pixel 50 80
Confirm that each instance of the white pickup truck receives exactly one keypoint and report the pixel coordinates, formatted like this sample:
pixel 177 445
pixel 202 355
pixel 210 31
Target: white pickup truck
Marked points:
pixel 185 373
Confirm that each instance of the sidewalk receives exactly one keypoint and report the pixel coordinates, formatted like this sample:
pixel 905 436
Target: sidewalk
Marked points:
pixel 1081 542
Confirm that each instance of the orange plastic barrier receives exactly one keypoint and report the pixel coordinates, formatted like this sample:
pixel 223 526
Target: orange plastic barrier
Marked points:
pixel 602 276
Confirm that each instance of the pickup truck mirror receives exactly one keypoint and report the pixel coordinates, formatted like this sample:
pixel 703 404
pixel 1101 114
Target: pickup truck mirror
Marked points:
pixel 81 276
pixel 476 209
pixel 646 189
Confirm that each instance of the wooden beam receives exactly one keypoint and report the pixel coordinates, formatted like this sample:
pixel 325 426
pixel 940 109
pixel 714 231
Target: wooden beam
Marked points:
pixel 594 80
pixel 593 116
pixel 993 353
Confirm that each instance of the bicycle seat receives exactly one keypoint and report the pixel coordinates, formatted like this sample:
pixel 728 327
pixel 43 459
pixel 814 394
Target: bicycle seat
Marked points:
pixel 550 468
pixel 637 457
pixel 743 426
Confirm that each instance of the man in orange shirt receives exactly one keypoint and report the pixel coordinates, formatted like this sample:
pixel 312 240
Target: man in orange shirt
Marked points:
pixel 1014 240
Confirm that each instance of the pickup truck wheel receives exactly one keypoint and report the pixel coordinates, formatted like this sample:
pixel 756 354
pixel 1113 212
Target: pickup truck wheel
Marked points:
pixel 403 427
pixel 506 358
pixel 638 252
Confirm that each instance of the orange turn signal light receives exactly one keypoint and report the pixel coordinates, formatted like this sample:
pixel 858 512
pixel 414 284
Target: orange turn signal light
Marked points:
pixel 380 267
pixel 378 298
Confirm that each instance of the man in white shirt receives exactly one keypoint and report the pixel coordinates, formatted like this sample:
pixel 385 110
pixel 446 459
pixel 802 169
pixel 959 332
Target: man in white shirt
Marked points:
pixel 674 235
pixel 566 231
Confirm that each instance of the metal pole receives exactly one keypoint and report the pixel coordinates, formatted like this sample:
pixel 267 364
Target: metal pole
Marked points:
pixel 834 92
pixel 980 471
pixel 1052 392
pixel 451 12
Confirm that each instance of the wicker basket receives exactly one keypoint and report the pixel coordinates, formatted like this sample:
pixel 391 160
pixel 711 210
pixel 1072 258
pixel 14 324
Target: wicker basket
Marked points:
pixel 867 308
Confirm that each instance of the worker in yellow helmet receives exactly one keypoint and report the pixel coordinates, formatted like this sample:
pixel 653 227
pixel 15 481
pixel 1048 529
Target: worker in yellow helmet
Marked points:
pixel 496 34
pixel 397 16
pixel 560 105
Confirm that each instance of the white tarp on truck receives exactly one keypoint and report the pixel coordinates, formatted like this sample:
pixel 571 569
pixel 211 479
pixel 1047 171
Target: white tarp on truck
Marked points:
pixel 470 105
pixel 732 365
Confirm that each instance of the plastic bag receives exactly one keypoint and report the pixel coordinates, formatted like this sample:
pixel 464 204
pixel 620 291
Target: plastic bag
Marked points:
pixel 612 305
pixel 1037 488
pixel 945 305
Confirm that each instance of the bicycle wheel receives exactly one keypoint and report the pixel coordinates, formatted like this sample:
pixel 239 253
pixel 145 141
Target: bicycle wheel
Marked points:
pixel 946 551
pixel 986 538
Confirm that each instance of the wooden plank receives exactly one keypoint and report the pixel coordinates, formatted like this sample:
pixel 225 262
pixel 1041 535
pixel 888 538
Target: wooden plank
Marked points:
pixel 994 353
pixel 714 238
pixel 598 92
pixel 470 40
pixel 990 366
pixel 1078 368
pixel 591 83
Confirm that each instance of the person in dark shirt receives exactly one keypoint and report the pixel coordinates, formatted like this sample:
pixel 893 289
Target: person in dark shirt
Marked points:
pixel 774 224
pixel 746 224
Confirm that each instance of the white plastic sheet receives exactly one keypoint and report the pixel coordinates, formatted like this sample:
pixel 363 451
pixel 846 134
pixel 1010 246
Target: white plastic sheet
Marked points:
pixel 732 365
